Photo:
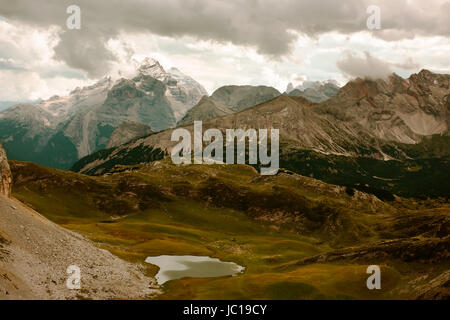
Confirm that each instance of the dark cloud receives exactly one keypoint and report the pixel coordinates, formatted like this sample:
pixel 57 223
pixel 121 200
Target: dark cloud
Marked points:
pixel 368 66
pixel 365 66
pixel 85 51
pixel 265 25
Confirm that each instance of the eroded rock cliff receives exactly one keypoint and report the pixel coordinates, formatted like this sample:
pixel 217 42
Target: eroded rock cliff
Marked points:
pixel 5 174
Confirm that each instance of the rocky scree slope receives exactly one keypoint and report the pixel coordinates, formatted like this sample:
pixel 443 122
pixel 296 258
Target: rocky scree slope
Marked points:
pixel 35 254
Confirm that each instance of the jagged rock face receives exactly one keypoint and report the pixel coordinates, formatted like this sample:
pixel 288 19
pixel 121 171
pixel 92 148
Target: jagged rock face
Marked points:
pixel 191 90
pixel 182 91
pixel 5 174
pixel 126 132
pixel 51 133
pixel 141 99
pixel 396 109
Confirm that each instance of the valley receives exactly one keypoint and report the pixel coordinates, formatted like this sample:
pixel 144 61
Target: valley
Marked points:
pixel 297 237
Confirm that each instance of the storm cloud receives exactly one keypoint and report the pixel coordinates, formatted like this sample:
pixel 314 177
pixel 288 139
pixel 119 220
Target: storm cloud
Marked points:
pixel 270 26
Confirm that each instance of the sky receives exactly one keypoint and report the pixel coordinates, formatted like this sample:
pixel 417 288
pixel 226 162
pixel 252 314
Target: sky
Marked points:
pixel 256 42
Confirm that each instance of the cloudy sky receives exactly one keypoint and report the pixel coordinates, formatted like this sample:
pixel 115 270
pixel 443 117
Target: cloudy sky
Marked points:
pixel 217 42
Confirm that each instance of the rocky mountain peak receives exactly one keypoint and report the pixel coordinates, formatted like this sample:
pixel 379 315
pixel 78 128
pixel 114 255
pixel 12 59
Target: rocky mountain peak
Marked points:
pixel 428 79
pixel 5 174
pixel 424 73
pixel 315 91
pixel 368 88
pixel 153 68
pixel 290 87
pixel 416 85
pixel 183 92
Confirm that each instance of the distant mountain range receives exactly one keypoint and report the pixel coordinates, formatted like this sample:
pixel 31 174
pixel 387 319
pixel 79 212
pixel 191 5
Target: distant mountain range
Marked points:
pixel 371 133
pixel 230 99
pixel 315 91
pixel 58 131
pixel 402 120
pixel 227 100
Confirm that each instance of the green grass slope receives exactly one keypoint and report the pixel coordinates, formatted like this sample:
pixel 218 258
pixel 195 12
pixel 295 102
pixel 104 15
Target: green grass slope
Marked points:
pixel 282 228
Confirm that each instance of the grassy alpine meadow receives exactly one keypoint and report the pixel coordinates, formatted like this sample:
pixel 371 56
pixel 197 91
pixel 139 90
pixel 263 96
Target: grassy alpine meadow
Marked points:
pixel 283 229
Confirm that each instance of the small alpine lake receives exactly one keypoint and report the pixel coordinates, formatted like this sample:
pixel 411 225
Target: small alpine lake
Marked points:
pixel 177 267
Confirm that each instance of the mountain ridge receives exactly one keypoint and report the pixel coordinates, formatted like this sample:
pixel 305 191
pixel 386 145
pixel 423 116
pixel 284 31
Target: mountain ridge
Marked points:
pixel 228 99
pixel 367 119
pixel 58 131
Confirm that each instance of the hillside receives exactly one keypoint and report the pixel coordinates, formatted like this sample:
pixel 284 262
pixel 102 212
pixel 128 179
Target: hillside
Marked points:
pixel 36 253
pixel 239 98
pixel 292 233
pixel 205 109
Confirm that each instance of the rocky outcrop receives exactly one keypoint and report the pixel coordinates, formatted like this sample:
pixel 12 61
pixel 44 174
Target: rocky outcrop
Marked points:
pixel 5 174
